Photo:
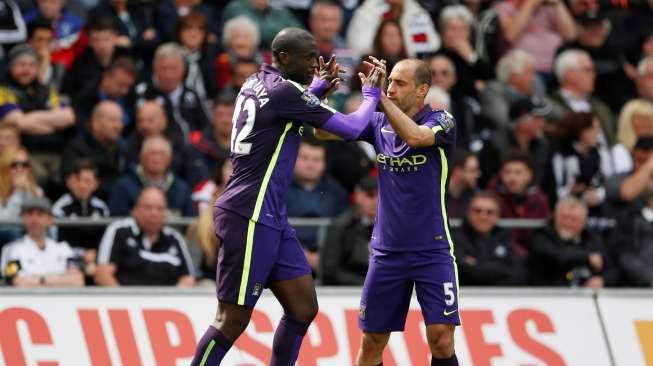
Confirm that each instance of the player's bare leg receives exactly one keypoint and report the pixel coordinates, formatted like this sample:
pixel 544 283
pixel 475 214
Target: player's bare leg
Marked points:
pixel 299 301
pixel 230 321
pixel 441 343
pixel 370 352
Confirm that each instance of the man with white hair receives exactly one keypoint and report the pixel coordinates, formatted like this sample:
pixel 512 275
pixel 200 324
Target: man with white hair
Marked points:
pixel 516 80
pixel 645 78
pixel 576 76
pixel 153 170
pixel 183 105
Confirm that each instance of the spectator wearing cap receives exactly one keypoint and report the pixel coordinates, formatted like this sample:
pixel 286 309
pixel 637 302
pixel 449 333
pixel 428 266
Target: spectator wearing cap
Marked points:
pixel 100 143
pixel 516 80
pixel 419 34
pixel 525 133
pixel 81 202
pixel 269 19
pixel 142 250
pixel 313 193
pixel 566 253
pixel 151 120
pixel 184 107
pixel 345 253
pixel 634 241
pixel 116 84
pixel 575 72
pixel 39 112
pixel 214 146
pixel 101 50
pixel 483 249
pixel 625 189
pixel 518 196
pixel 40 36
pixel 612 84
pixel 36 260
pixel 68 42
pixel 463 183
pixel 153 170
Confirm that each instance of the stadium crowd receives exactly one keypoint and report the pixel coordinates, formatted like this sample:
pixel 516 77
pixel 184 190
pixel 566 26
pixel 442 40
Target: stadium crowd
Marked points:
pixel 124 108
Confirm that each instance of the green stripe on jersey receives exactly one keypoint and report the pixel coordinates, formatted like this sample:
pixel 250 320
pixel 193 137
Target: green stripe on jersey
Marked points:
pixel 302 89
pixel 255 215
pixel 443 187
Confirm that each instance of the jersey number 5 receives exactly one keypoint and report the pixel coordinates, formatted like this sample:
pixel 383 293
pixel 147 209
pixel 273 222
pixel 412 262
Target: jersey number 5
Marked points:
pixel 449 296
pixel 243 105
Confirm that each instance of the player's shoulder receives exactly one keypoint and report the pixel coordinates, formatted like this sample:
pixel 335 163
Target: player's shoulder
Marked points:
pixel 443 118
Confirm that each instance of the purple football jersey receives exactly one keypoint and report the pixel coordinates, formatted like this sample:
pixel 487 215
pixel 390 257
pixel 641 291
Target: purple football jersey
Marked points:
pixel 267 126
pixel 412 214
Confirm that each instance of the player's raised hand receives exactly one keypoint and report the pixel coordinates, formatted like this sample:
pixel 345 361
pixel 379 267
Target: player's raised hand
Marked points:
pixel 330 72
pixel 381 65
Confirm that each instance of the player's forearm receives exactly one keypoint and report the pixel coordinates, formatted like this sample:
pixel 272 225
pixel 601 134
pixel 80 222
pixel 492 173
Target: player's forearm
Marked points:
pixel 409 131
pixel 350 126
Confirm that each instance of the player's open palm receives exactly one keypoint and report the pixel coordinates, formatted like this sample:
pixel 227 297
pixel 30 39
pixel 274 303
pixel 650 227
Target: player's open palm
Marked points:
pixel 329 72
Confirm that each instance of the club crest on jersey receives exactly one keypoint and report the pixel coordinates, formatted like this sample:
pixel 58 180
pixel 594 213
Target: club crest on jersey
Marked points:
pixel 311 99
pixel 258 288
pixel 445 119
pixel 361 312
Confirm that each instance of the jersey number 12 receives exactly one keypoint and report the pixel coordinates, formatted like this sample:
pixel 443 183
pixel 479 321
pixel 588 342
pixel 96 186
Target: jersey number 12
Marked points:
pixel 247 105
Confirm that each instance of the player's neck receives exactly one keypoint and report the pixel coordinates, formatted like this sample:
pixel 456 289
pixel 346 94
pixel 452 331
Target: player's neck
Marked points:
pixel 414 109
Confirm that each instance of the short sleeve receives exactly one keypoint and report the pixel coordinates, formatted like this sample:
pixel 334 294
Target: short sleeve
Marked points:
pixel 443 126
pixel 293 102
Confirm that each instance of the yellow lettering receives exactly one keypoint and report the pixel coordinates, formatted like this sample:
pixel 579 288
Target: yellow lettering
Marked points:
pixel 419 159
pixel 380 158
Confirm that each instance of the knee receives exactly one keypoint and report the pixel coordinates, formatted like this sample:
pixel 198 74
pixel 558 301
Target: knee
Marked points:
pixel 375 341
pixel 305 313
pixel 442 343
pixel 231 325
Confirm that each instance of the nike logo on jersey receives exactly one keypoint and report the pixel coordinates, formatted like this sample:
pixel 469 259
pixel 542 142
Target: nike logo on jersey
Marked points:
pixel 385 130
pixel 447 313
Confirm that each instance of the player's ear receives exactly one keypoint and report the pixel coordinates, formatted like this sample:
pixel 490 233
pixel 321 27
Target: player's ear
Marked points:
pixel 283 57
pixel 422 90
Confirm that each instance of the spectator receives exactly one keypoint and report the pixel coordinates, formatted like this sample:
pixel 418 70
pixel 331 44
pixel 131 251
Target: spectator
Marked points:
pixel 516 80
pixel 525 133
pixel 537 27
pixel 455 25
pixel 644 77
pixel 192 35
pixel 464 106
pixel 152 121
pixel 133 24
pixel 167 13
pixel 37 110
pixel 483 249
pixel 183 105
pixel 241 69
pixel 40 37
pixel 116 84
pixel 612 84
pixel 240 40
pixel 313 193
pixel 100 143
pixel 626 188
pixel 565 253
pixel 141 250
pixel 101 50
pixel 438 98
pixel 635 122
pixel 634 242
pixel 215 144
pixel 36 260
pixel 326 23
pixel 12 25
pixel 153 170
pixel 80 201
pixel 9 138
pixel 463 183
pixel 518 197
pixel 68 42
pixel 204 244
pixel 270 20
pixel 419 35
pixel 345 253
pixel 577 165
pixel 203 193
pixel 574 70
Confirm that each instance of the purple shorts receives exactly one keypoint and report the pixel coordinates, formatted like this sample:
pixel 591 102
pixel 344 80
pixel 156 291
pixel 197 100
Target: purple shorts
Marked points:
pixel 253 255
pixel 389 287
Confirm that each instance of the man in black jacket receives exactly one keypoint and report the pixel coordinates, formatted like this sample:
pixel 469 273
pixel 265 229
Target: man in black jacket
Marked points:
pixel 483 249
pixel 345 253
pixel 566 253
